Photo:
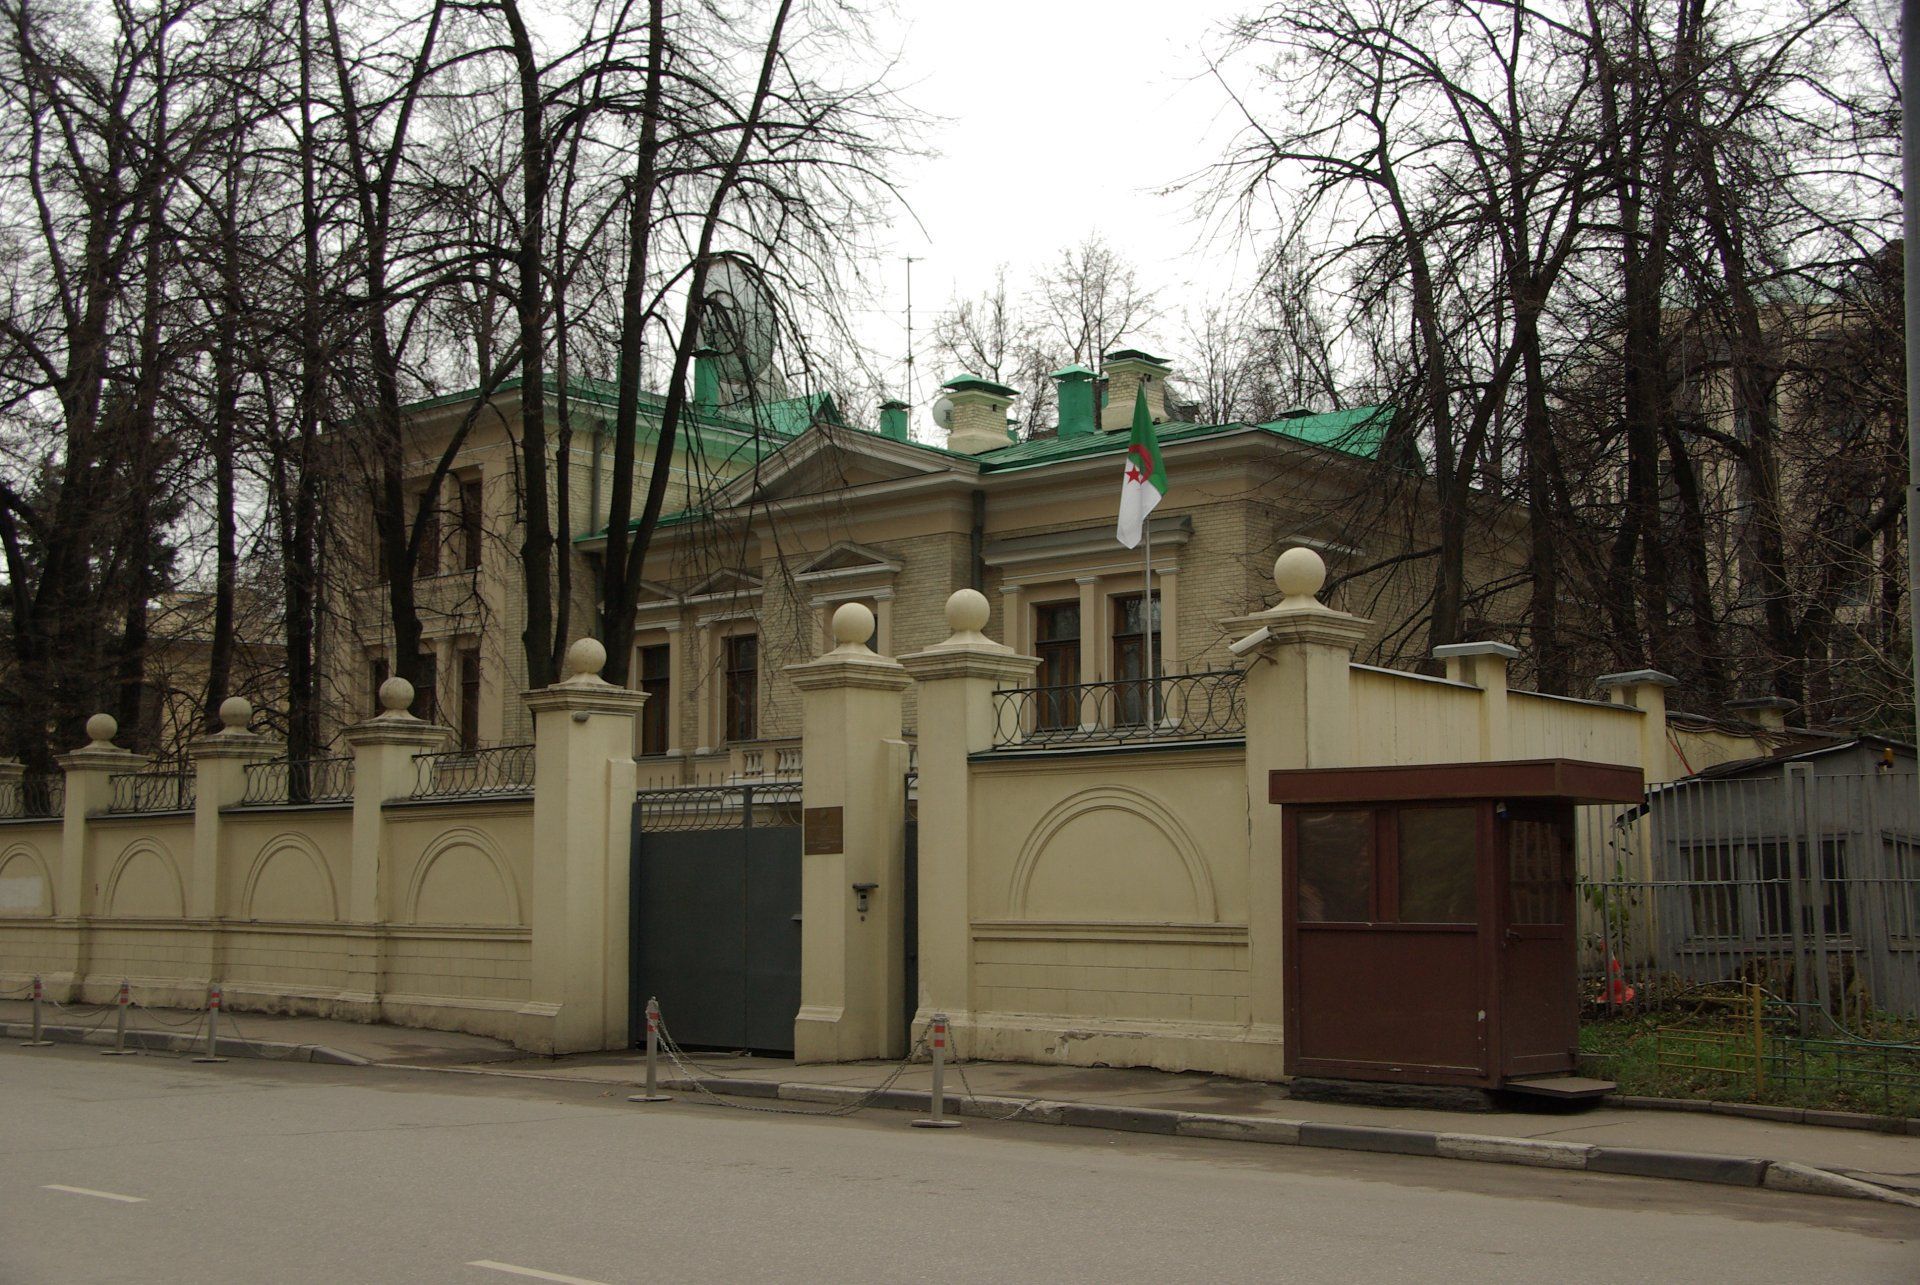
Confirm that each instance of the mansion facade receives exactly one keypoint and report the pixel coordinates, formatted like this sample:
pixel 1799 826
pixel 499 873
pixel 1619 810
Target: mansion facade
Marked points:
pixel 778 517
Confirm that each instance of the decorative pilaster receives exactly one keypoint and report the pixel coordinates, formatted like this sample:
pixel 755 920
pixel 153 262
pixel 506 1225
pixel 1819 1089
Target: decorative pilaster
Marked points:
pixel 1646 691
pixel 88 790
pixel 383 749
pixel 1484 665
pixel 1299 714
pixel 853 870
pixel 583 784
pixel 957 680
pixel 220 780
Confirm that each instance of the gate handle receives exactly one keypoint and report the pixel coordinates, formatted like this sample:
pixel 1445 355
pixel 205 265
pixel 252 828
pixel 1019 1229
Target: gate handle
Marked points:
pixel 796 919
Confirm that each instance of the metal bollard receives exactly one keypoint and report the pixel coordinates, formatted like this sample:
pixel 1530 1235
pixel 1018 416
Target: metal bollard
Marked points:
pixel 653 1093
pixel 37 1042
pixel 123 1000
pixel 937 1039
pixel 213 1028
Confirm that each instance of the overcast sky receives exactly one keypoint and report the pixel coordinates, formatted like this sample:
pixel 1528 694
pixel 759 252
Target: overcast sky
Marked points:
pixel 1060 118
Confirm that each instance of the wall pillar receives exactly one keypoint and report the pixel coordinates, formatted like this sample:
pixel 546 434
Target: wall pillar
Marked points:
pixel 583 784
pixel 1646 691
pixel 220 781
pixel 956 681
pixel 383 749
pixel 1484 665
pixel 852 965
pixel 88 790
pixel 1299 714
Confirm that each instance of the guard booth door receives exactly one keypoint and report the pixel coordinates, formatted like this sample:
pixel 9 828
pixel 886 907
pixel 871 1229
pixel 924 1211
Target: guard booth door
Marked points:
pixel 715 902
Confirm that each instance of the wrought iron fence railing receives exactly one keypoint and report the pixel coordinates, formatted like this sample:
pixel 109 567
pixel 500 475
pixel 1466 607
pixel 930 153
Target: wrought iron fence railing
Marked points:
pixel 154 790
pixel 34 796
pixel 458 774
pixel 718 807
pixel 321 780
pixel 1206 705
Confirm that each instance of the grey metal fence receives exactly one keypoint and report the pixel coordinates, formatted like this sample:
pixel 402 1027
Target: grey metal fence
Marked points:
pixel 1806 882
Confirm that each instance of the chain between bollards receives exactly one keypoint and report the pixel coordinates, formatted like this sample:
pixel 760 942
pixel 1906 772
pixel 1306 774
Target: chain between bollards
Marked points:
pixel 213 1027
pixel 122 1002
pixel 653 1093
pixel 38 1041
pixel 937 1041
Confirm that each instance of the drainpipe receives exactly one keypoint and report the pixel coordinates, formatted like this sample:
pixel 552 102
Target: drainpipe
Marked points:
pixel 977 540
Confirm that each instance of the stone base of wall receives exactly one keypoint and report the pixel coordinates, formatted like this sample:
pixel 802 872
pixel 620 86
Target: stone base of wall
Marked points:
pixel 1221 1048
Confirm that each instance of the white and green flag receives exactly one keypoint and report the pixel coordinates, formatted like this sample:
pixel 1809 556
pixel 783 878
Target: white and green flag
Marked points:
pixel 1145 481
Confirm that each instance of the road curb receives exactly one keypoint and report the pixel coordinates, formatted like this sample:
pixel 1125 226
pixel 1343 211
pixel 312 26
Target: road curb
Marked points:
pixel 172 1042
pixel 1639 1162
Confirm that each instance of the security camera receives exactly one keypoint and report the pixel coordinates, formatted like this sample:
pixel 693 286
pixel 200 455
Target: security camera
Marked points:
pixel 1251 641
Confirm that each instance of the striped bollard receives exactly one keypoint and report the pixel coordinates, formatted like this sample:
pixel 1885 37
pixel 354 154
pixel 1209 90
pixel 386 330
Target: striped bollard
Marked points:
pixel 653 1093
pixel 213 1027
pixel 937 1039
pixel 37 1042
pixel 121 1001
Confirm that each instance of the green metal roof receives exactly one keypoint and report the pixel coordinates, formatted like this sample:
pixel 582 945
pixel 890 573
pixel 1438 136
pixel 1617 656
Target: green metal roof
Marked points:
pixel 1358 432
pixel 788 417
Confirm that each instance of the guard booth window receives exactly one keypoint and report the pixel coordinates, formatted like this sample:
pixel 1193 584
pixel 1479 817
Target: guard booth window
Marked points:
pixel 1406 865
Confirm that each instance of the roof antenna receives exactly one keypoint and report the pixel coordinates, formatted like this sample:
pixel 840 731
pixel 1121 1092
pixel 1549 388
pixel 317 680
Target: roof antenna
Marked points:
pixel 913 390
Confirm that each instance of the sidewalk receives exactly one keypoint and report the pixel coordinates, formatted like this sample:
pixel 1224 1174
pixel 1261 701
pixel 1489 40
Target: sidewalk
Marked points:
pixel 1688 1145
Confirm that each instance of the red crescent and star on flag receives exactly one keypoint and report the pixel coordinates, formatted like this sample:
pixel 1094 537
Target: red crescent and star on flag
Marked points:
pixel 1139 472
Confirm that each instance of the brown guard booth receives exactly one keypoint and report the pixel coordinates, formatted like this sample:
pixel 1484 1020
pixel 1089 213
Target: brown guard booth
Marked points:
pixel 1430 926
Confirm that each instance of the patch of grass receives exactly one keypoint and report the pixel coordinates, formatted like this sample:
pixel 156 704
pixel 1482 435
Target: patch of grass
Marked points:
pixel 1706 1050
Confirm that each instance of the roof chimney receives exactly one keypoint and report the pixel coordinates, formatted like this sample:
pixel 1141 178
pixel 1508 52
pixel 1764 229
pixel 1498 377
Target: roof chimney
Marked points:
pixel 1128 369
pixel 893 419
pixel 1074 390
pixel 979 420
pixel 706 380
pixel 1770 712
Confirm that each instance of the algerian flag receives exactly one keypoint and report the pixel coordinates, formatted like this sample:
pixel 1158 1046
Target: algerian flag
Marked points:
pixel 1145 481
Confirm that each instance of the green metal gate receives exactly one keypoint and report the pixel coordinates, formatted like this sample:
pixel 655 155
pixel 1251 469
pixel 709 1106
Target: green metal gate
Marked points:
pixel 715 901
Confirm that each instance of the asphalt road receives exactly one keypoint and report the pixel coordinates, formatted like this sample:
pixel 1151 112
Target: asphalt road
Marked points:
pixel 156 1169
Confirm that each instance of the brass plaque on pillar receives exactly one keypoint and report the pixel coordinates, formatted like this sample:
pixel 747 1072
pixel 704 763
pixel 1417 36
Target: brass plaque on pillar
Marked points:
pixel 823 831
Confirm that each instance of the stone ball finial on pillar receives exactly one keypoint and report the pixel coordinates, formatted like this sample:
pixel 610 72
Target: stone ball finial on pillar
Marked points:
pixel 101 729
pixel 852 624
pixel 1299 573
pixel 585 659
pixel 396 695
pixel 966 617
pixel 235 713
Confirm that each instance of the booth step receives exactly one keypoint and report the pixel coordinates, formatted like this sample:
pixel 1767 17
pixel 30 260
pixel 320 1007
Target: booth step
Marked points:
pixel 1561 1088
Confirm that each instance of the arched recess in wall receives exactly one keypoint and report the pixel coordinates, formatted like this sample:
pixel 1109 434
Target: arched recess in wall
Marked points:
pixel 1111 852
pixel 26 885
pixel 463 878
pixel 145 883
pixel 290 881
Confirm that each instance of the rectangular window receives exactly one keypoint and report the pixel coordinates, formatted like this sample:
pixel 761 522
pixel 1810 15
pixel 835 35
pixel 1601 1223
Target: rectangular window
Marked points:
pixel 743 687
pixel 426 703
pixel 1336 866
pixel 1438 860
pixel 656 680
pixel 470 699
pixel 1056 633
pixel 378 673
pixel 1539 870
pixel 1776 874
pixel 472 528
pixel 1130 657
pixel 1714 897
pixel 427 511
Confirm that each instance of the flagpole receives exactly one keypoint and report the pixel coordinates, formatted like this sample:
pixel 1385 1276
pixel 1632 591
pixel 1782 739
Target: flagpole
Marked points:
pixel 1146 629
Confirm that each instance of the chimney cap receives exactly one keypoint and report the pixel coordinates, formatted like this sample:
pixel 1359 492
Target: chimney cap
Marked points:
pixel 894 403
pixel 975 384
pixel 1135 354
pixel 1074 371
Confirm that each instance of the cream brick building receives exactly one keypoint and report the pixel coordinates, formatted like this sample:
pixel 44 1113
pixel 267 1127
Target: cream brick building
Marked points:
pixel 779 516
